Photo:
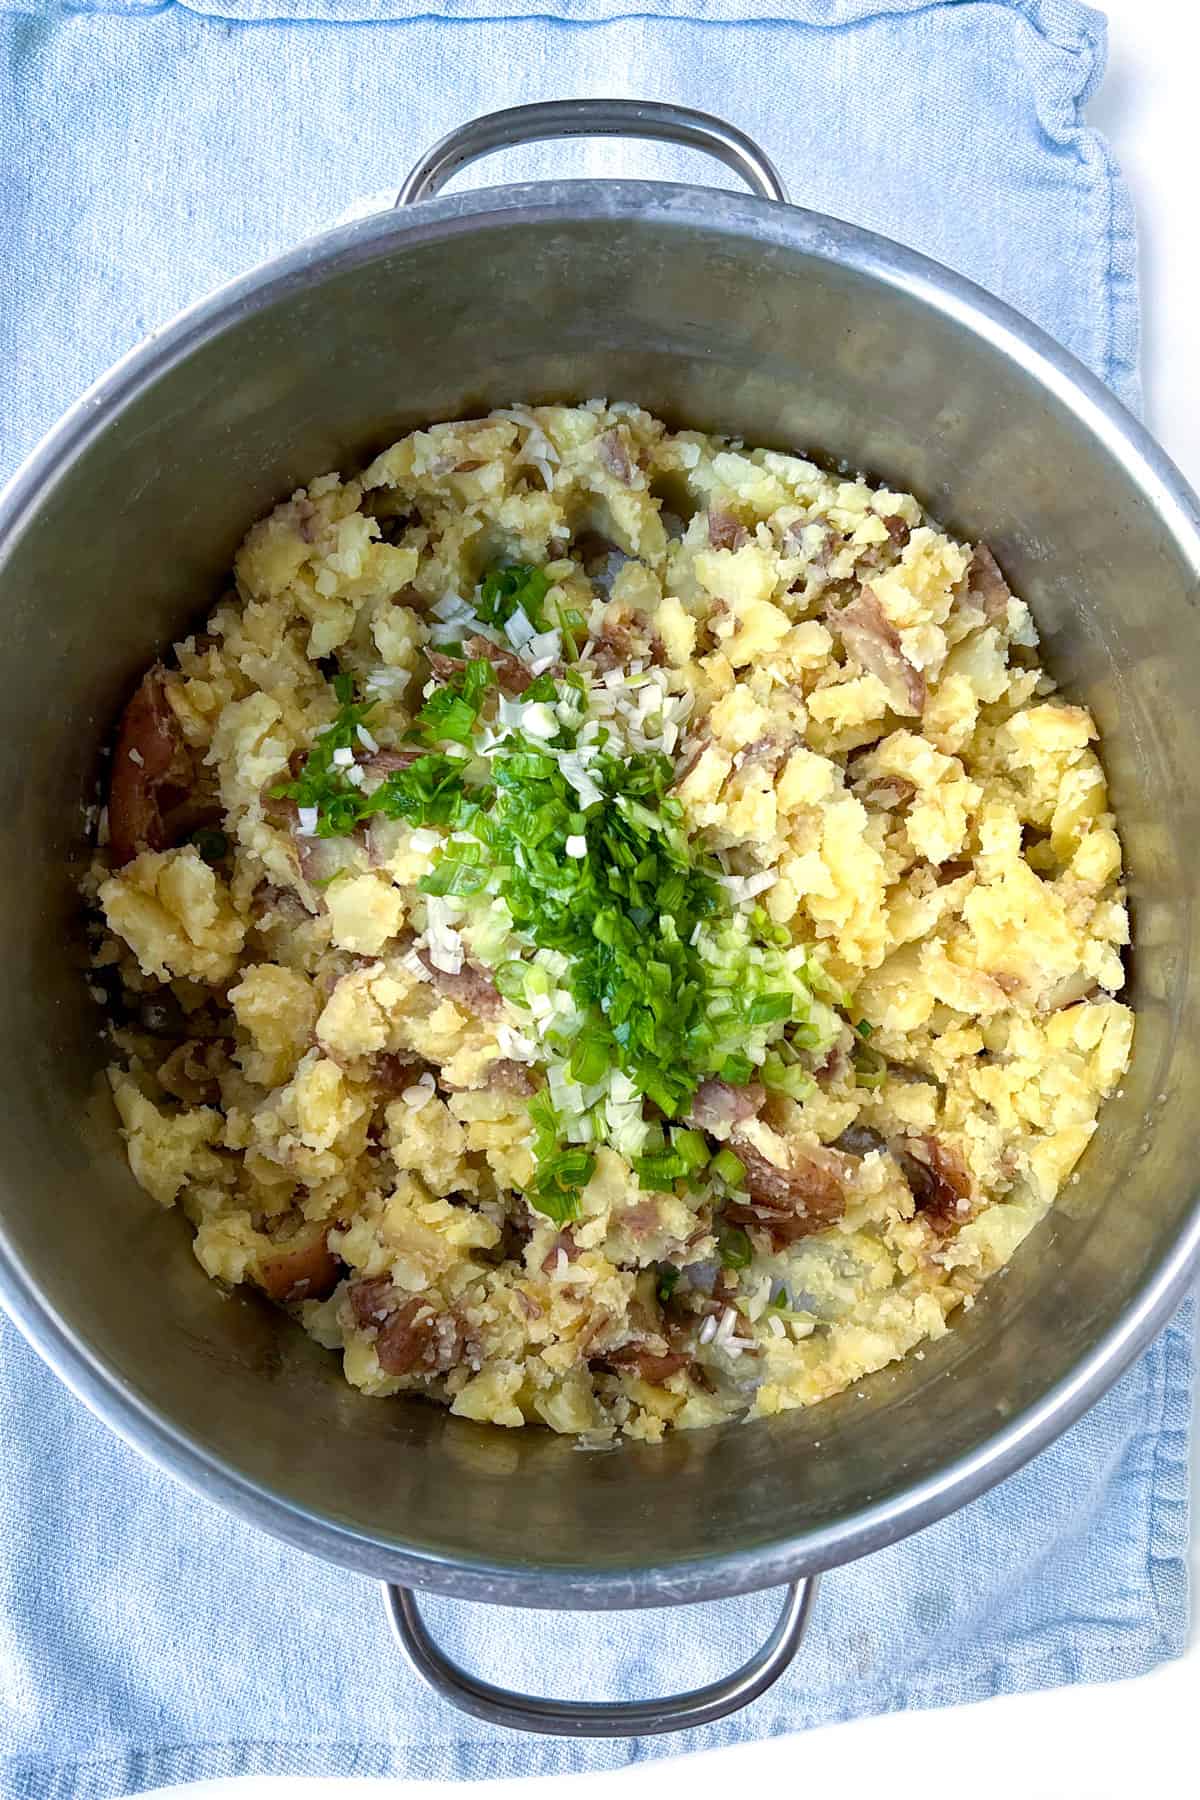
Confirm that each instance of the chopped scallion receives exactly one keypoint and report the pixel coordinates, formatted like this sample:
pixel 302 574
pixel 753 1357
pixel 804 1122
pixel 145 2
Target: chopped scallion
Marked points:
pixel 511 588
pixel 870 1069
pixel 734 1248
pixel 691 1146
pixel 591 1057
pixel 766 1008
pixel 729 1167
pixel 661 1169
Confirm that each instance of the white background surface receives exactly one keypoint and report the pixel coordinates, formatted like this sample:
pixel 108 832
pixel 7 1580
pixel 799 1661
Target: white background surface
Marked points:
pixel 1099 1743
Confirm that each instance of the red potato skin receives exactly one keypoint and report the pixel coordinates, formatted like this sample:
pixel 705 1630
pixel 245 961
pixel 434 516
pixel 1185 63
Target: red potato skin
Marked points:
pixel 389 762
pixel 512 674
pixel 887 791
pixel 986 584
pixel 716 1103
pixel 615 456
pixel 791 1203
pixel 470 987
pixel 407 1337
pixel 371 1299
pixel 309 1272
pixel 508 1077
pixel 149 731
pixel 614 645
pixel 873 641
pixel 566 1243
pixel 939 1180
pixel 725 532
pixel 651 1367
pixel 394 1070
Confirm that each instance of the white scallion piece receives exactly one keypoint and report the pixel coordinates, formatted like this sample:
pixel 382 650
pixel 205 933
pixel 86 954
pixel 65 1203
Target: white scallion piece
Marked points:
pixel 306 821
pixel 539 721
pixel 627 1129
pixel 573 769
pixel 444 944
pixel 518 630
pixel 708 1330
pixel 446 952
pixel 760 1299
pixel 545 643
pixel 366 740
pixel 538 447
pixel 451 606
pixel 565 1092
pixel 515 1045
pixel 354 775
pixel 510 713
pixel 747 887
pixel 576 845
pixel 383 680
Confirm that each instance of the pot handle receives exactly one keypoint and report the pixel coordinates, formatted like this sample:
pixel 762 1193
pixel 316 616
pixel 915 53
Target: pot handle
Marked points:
pixel 599 1718
pixel 592 118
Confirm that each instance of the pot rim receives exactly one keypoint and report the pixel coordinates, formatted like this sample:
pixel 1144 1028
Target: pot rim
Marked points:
pixel 907 273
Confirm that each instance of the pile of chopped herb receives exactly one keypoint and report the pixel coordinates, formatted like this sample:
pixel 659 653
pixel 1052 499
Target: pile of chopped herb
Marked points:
pixel 587 856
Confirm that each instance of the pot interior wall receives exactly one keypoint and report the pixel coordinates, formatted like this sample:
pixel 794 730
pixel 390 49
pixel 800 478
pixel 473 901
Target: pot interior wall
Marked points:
pixel 698 322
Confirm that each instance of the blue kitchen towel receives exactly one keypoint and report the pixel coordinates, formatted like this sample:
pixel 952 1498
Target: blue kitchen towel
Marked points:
pixel 148 152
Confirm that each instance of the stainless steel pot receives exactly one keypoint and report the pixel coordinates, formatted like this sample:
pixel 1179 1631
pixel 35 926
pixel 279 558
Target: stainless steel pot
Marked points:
pixel 739 314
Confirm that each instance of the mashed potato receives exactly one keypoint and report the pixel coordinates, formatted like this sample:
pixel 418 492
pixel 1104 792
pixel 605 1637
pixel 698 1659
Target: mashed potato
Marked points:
pixel 610 928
